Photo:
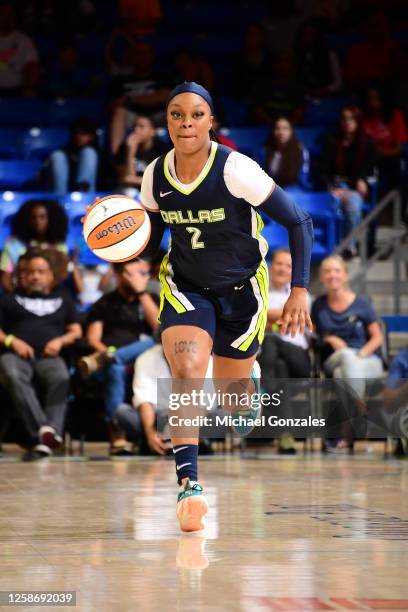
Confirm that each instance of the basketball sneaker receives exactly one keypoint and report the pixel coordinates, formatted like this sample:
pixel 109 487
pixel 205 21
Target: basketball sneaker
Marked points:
pixel 248 415
pixel 191 506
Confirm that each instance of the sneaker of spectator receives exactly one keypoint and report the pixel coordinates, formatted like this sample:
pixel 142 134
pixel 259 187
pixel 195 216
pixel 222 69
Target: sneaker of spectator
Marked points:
pixel 92 363
pixel 287 445
pixel 49 437
pixel 19 74
pixel 38 452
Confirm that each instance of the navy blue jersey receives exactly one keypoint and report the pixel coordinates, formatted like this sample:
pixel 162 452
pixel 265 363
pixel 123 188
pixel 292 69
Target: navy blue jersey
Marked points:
pixel 215 236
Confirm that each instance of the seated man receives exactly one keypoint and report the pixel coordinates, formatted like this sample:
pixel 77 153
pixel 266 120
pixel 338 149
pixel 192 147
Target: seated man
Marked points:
pixel 36 322
pixel 120 328
pixel 282 357
pixel 150 403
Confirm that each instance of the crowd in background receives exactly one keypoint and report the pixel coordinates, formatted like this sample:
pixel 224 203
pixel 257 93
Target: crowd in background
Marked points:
pixel 102 318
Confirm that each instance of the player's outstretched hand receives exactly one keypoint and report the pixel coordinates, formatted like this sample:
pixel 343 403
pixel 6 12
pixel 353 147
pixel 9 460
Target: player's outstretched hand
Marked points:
pixel 295 313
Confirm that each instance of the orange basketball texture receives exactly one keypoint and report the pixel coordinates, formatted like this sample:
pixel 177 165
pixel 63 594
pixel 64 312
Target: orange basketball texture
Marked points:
pixel 117 228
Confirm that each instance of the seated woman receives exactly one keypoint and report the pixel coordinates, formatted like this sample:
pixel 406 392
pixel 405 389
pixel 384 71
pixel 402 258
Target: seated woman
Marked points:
pixel 38 223
pixel 348 325
pixel 347 160
pixel 284 154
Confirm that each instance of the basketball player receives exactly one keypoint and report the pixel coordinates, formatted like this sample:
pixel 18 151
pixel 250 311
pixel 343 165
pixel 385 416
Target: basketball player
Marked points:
pixel 214 277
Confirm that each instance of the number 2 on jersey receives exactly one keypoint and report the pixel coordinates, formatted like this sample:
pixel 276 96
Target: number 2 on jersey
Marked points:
pixel 195 244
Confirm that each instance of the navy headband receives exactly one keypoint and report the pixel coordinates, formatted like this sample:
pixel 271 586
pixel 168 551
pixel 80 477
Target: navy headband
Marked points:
pixel 191 87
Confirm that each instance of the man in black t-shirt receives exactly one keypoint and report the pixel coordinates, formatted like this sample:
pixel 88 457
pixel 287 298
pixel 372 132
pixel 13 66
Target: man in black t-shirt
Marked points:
pixel 120 328
pixel 35 324
pixel 139 149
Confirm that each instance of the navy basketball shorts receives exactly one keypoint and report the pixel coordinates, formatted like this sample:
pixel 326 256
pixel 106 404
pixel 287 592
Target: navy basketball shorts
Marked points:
pixel 235 318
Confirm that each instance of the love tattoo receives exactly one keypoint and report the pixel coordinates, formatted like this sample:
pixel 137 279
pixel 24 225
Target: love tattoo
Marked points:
pixel 185 346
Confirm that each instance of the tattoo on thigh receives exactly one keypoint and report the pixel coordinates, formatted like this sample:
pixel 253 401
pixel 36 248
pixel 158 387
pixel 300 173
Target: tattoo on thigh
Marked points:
pixel 185 346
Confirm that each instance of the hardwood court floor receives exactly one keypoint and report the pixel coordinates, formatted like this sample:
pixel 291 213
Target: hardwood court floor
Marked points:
pixel 310 532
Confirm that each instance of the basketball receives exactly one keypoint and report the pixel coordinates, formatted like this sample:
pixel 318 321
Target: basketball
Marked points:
pixel 117 228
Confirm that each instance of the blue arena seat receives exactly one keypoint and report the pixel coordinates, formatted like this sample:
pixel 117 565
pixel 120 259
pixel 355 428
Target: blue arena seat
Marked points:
pixel 324 112
pixel 235 111
pixel 23 112
pixel 249 140
pixel 311 138
pixel 64 111
pixel 9 138
pixel 17 174
pixel 38 143
pixel 323 208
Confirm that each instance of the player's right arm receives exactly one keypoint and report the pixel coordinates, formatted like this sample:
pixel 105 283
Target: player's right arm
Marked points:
pixel 152 207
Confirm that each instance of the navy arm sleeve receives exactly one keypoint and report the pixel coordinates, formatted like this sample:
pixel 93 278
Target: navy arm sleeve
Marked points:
pixel 157 230
pixel 282 209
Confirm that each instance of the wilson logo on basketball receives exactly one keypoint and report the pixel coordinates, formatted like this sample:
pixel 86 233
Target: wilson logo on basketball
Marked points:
pixel 115 229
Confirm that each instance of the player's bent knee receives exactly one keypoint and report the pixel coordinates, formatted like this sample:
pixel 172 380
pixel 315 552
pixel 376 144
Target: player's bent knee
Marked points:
pixel 188 367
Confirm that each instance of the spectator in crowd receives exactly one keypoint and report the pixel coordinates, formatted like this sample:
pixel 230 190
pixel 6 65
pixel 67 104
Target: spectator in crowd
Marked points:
pixel 36 322
pixel 150 403
pixel 284 96
pixel 396 396
pixel 139 149
pixel 87 279
pixel 19 67
pixel 284 153
pixel 75 167
pixel 66 78
pixel 191 66
pixel 317 66
pixel 252 68
pixel 348 326
pixel 347 161
pixel 120 328
pixel 376 57
pixel 140 92
pixel 282 357
pixel 38 223
pixel 143 14
pixel 385 124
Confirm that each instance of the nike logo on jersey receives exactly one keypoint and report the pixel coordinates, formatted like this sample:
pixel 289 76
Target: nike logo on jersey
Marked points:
pixel 239 288
pixel 164 193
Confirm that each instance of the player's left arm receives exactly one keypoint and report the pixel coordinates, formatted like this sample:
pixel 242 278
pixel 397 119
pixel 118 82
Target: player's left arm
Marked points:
pixel 279 207
pixel 245 179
